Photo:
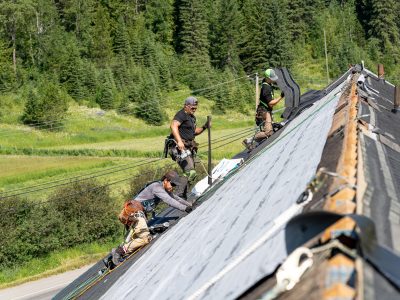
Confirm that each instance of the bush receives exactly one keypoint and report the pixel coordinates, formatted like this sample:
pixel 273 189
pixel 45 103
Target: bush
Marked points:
pixel 82 212
pixel 88 213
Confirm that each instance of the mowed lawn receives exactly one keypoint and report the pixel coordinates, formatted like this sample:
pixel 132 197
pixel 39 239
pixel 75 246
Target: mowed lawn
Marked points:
pixel 228 141
pixel 23 174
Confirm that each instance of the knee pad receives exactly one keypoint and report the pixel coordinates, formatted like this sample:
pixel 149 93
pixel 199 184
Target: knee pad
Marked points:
pixel 191 175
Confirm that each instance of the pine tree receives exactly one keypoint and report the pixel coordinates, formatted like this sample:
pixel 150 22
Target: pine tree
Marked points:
pixel 193 34
pixel 121 39
pixel 149 105
pixel 72 76
pixel 106 93
pixel 297 23
pixel 253 31
pixel 101 43
pixel 277 45
pixel 384 28
pixel 225 36
pixel 77 16
pixel 159 19
pixel 46 105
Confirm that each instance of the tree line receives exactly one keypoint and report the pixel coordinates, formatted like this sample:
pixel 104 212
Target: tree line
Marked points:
pixel 127 54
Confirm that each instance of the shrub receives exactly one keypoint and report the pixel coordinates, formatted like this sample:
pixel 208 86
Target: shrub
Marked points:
pixel 82 212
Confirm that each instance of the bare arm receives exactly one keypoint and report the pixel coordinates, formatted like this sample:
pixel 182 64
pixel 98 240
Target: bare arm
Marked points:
pixel 159 191
pixel 202 129
pixel 175 132
pixel 199 130
pixel 182 201
pixel 275 101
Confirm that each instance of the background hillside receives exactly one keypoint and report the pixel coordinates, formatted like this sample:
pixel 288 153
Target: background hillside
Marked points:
pixel 129 54
pixel 87 88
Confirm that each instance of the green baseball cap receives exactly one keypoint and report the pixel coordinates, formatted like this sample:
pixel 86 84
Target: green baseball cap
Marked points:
pixel 270 73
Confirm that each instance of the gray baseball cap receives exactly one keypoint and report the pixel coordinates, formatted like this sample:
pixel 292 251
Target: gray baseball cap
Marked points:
pixel 173 177
pixel 270 73
pixel 191 101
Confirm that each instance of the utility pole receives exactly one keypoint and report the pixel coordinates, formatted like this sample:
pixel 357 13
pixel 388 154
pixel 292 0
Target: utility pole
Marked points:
pixel 326 58
pixel 209 150
pixel 257 92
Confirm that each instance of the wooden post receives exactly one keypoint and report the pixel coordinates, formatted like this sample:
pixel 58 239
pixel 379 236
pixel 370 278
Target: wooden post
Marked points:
pixel 209 150
pixel 396 100
pixel 257 92
pixel 326 58
pixel 381 71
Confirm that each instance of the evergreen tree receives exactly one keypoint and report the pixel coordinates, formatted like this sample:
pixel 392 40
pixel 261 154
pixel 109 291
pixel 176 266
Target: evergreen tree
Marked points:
pixel 106 93
pixel 101 43
pixel 297 22
pixel 384 28
pixel 73 74
pixel 225 37
pixel 47 105
pixel 77 16
pixel 253 34
pixel 193 34
pixel 121 39
pixel 159 19
pixel 277 45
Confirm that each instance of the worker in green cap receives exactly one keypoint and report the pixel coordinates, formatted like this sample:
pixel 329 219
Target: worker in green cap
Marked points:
pixel 264 109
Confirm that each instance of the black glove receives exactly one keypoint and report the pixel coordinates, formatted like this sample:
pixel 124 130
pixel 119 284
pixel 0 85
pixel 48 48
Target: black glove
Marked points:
pixel 188 209
pixel 282 94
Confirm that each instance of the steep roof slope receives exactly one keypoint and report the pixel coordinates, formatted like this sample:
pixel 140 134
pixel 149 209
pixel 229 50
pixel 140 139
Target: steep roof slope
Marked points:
pixel 219 250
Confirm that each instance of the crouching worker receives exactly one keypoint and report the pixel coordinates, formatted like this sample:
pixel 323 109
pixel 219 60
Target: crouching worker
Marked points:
pixel 133 215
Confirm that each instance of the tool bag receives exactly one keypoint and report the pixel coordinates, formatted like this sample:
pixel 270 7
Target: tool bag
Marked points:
pixel 128 215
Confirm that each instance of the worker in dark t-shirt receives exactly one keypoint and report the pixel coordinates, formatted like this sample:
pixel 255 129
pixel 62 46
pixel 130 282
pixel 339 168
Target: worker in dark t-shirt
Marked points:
pixel 264 109
pixel 267 102
pixel 183 131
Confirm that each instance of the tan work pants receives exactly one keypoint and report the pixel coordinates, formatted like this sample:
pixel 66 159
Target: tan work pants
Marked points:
pixel 267 130
pixel 138 236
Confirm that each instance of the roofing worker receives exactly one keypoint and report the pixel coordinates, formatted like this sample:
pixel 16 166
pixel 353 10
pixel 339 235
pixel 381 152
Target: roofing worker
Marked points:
pixel 264 108
pixel 183 132
pixel 267 102
pixel 133 215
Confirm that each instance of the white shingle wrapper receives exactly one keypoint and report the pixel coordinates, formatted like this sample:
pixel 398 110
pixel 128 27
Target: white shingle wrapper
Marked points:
pixel 237 236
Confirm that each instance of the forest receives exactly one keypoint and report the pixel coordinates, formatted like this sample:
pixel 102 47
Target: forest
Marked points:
pixel 127 54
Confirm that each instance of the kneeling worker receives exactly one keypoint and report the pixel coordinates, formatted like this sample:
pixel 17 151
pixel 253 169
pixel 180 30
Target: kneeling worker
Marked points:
pixel 133 215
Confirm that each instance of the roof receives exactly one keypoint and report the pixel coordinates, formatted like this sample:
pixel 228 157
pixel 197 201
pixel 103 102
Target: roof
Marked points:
pixel 212 252
pixel 339 152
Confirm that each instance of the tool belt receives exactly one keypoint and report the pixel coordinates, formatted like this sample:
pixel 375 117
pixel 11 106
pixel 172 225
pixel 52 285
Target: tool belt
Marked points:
pixel 171 148
pixel 261 110
pixel 130 213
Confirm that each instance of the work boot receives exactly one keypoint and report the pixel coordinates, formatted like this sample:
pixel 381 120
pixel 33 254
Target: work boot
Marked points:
pixel 117 255
pixel 249 143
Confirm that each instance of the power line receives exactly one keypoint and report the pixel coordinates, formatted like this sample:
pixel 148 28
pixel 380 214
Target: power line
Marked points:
pixel 66 183
pixel 103 172
pixel 98 187
pixel 71 178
